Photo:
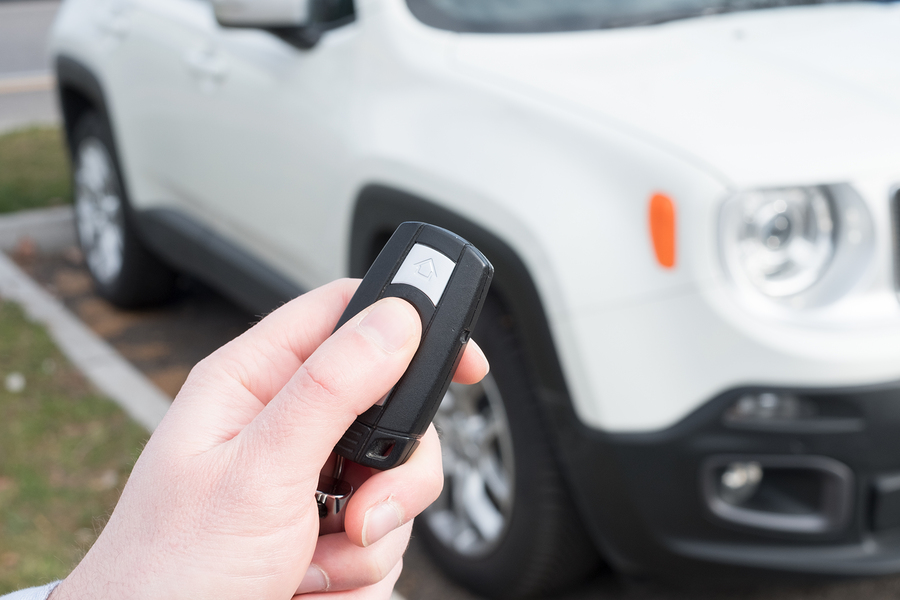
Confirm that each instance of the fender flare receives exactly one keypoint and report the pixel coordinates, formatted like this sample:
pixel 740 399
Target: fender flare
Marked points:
pixel 78 90
pixel 380 209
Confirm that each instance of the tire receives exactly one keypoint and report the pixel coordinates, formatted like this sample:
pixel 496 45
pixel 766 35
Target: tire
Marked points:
pixel 504 525
pixel 124 272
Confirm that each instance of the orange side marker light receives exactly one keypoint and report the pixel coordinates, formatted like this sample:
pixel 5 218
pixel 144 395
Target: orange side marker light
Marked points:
pixel 662 229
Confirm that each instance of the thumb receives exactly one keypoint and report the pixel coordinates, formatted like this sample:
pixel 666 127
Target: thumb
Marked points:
pixel 347 374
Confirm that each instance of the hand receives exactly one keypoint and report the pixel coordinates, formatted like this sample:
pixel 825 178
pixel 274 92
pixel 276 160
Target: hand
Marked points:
pixel 221 502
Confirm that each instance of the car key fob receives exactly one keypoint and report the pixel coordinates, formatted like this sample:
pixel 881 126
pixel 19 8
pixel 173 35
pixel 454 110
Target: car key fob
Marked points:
pixel 446 279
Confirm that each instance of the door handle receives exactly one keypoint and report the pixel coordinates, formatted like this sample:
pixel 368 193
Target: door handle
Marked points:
pixel 114 20
pixel 205 63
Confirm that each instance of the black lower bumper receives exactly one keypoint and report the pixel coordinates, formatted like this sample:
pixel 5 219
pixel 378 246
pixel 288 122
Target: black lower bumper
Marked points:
pixel 833 488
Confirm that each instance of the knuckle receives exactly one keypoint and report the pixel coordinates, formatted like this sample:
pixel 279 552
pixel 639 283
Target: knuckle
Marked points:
pixel 382 559
pixel 319 382
pixel 379 567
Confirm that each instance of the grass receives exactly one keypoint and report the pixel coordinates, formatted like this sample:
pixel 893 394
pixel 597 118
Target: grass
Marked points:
pixel 34 169
pixel 65 454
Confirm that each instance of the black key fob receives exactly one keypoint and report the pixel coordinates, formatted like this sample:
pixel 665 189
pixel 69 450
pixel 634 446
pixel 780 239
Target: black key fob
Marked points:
pixel 446 278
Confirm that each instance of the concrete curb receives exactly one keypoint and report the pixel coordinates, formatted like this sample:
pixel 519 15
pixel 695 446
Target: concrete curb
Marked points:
pixel 22 83
pixel 99 362
pixel 51 229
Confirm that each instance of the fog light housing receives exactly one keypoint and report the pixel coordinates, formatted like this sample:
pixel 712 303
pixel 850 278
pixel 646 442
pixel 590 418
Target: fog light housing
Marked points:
pixel 789 494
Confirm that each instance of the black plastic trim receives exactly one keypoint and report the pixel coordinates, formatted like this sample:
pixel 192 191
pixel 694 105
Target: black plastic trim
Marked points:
pixel 195 249
pixel 80 92
pixel 306 37
pixel 886 502
pixel 664 525
pixel 325 17
pixel 78 89
pixel 380 209
pixel 832 516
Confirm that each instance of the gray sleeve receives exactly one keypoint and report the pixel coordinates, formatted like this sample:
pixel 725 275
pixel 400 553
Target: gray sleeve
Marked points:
pixel 35 593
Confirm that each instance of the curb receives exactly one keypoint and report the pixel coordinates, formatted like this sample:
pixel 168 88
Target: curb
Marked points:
pixel 113 375
pixel 22 83
pixel 51 229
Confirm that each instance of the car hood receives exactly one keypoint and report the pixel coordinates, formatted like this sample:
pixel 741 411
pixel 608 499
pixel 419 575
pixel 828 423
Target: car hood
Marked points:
pixel 782 96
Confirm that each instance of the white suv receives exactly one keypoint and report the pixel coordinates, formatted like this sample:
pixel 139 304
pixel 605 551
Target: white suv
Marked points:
pixel 694 327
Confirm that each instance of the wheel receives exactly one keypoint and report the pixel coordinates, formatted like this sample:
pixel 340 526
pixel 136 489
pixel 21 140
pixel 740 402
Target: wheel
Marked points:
pixel 124 271
pixel 504 525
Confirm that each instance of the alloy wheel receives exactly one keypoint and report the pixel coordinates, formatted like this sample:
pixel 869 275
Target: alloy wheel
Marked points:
pixel 474 510
pixel 99 211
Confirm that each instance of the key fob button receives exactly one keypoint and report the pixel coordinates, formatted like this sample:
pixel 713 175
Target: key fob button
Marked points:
pixel 426 269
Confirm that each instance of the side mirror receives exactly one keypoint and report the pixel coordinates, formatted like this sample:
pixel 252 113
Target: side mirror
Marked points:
pixel 268 14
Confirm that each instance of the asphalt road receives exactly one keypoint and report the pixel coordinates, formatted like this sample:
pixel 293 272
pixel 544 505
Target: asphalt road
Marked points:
pixel 23 35
pixel 165 342
pixel 26 88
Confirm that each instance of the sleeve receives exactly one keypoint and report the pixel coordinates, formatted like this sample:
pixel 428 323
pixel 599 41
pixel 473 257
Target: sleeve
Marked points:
pixel 35 593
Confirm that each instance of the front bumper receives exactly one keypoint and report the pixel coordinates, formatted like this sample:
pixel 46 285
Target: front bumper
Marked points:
pixel 645 497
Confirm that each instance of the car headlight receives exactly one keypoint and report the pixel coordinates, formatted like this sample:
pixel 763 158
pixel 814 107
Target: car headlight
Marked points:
pixel 779 240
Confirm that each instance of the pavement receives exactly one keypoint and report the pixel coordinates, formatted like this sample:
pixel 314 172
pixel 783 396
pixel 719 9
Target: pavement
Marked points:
pixel 27 94
pixel 116 377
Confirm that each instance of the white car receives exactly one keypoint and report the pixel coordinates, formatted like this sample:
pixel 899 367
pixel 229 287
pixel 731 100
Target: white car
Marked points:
pixel 694 326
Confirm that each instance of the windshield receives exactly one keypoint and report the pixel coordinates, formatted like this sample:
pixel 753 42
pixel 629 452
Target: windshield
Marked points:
pixel 520 16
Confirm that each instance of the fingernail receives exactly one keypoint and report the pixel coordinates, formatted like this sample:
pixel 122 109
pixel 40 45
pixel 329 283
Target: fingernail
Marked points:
pixel 389 324
pixel 315 580
pixel 380 520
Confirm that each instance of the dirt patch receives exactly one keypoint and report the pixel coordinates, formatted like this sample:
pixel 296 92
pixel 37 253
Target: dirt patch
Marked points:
pixel 163 342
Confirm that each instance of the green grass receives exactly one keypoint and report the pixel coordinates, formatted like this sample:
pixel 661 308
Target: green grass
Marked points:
pixel 34 169
pixel 65 454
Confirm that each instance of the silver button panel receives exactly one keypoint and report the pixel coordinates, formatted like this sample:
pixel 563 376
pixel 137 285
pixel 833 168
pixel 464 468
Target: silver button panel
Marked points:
pixel 426 269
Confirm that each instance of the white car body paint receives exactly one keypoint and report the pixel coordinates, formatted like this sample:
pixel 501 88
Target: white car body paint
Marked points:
pixel 554 142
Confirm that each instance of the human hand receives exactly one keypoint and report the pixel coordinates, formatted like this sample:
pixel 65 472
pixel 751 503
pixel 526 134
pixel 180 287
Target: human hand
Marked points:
pixel 221 502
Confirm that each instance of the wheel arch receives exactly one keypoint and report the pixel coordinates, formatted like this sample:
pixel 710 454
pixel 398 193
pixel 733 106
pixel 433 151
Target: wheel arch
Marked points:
pixel 380 209
pixel 81 94
pixel 79 91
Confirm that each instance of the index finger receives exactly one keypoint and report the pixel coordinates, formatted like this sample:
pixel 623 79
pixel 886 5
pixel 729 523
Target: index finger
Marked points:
pixel 265 357
pixel 249 371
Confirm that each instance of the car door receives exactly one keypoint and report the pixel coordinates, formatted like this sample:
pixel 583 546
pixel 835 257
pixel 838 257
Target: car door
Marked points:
pixel 239 130
pixel 262 136
pixel 147 89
